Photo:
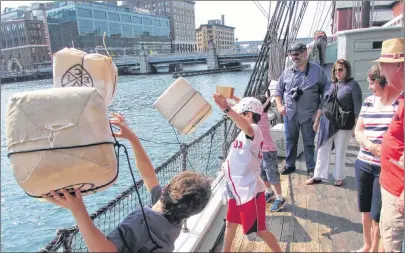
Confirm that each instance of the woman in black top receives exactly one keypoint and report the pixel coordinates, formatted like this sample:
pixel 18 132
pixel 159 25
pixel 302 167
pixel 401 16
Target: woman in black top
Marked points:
pixel 349 96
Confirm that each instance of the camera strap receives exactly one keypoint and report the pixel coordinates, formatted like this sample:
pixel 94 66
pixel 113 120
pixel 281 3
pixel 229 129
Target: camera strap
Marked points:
pixel 305 76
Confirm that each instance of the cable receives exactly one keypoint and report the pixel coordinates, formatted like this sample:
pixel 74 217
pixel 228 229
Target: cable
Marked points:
pixel 264 13
pixel 313 20
pixel 323 23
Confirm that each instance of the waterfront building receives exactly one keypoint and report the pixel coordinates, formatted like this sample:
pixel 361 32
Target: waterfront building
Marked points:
pixel 216 31
pixel 23 45
pixel 82 25
pixel 182 20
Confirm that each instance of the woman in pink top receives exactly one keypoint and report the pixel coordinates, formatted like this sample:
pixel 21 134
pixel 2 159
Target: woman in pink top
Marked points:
pixel 270 173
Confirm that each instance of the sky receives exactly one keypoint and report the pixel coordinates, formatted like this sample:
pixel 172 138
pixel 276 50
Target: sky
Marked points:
pixel 250 24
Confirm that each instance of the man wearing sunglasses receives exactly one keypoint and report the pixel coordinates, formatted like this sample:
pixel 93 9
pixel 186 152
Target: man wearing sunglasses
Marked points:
pixel 298 96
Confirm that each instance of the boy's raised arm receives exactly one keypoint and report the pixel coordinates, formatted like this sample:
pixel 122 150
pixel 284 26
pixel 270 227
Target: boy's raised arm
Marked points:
pixel 240 122
pixel 143 162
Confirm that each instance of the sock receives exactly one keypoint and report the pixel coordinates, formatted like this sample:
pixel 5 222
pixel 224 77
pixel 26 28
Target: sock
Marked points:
pixel 269 190
pixel 279 197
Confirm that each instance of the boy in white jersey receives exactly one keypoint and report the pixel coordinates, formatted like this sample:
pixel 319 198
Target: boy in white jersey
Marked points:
pixel 246 200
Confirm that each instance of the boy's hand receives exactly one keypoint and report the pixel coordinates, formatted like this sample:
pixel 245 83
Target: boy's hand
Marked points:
pixel 220 101
pixel 73 203
pixel 119 121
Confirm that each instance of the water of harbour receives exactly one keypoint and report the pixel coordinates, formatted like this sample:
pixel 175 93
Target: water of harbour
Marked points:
pixel 27 224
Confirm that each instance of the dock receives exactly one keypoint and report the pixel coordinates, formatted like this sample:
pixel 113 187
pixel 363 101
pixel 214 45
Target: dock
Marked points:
pixel 316 218
pixel 208 71
pixel 10 78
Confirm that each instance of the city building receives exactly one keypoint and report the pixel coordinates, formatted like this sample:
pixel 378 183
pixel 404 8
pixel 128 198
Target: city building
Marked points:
pixel 24 46
pixel 83 24
pixel 348 14
pixel 221 35
pixel 182 20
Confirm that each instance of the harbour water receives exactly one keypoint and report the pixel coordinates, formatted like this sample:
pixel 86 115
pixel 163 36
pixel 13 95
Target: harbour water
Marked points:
pixel 28 224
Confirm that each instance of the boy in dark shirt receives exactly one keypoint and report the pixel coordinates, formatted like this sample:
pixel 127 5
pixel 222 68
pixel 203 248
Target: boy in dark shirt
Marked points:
pixel 187 194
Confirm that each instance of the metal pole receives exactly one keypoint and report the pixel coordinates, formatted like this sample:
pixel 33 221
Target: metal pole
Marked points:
pixel 184 168
pixel 365 14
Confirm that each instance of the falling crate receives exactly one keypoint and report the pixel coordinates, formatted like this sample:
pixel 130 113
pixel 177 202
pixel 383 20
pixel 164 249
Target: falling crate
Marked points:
pixel 183 106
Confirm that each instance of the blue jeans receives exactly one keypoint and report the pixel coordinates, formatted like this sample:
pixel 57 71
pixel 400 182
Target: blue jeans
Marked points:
pixel 292 132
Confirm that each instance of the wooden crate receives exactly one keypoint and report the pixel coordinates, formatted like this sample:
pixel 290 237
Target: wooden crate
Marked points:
pixel 226 91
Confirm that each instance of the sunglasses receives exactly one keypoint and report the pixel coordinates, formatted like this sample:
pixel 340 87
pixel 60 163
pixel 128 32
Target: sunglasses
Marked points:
pixel 339 70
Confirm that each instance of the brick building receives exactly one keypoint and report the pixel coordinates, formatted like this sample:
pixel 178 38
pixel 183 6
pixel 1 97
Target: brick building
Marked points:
pixel 23 46
pixel 221 35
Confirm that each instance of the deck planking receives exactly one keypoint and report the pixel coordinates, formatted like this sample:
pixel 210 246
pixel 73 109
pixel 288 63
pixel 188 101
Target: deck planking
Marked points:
pixel 316 218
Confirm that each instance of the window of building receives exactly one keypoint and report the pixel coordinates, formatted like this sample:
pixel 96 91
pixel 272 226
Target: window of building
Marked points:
pixel 137 20
pixel 166 3
pixel 99 14
pixel 125 18
pixel 156 31
pixel 154 5
pixel 147 31
pixel 83 13
pixel 101 27
pixel 137 30
pixel 127 31
pixel 115 29
pixel 156 22
pixel 146 21
pixel 168 10
pixel 113 16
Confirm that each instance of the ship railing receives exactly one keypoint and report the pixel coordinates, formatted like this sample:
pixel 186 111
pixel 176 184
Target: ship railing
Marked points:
pixel 205 155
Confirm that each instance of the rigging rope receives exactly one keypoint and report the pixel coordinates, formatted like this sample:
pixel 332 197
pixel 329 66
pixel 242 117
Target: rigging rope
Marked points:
pixel 263 12
pixel 323 23
pixel 310 35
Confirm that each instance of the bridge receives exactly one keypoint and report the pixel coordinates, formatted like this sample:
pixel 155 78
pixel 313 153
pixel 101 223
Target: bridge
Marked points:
pixel 147 63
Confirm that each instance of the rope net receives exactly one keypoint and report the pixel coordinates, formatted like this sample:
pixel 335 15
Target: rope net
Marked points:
pixel 205 154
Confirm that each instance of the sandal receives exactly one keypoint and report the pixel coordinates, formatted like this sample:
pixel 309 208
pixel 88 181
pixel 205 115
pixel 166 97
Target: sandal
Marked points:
pixel 313 181
pixel 338 182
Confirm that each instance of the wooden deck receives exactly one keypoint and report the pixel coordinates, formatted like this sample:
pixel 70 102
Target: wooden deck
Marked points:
pixel 317 218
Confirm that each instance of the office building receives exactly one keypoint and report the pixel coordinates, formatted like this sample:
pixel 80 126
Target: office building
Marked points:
pixel 83 24
pixel 182 20
pixel 221 35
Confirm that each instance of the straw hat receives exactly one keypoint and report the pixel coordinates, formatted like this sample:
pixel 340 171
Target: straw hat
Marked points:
pixel 392 51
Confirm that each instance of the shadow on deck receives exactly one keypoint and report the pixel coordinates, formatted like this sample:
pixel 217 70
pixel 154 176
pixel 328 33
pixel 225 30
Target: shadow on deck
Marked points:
pixel 317 218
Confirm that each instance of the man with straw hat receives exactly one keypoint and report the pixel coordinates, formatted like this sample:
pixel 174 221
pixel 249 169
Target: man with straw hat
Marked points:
pixel 392 151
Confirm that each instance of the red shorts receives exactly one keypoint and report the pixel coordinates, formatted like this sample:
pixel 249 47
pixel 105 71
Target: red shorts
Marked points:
pixel 251 215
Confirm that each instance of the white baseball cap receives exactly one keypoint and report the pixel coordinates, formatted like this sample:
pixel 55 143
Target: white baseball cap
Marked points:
pixel 250 104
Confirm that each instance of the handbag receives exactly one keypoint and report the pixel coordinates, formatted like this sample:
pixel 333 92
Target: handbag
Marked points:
pixel 333 111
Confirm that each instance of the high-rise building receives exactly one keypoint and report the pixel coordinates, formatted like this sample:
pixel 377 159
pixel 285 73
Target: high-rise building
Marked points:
pixel 216 31
pixel 182 20
pixel 83 24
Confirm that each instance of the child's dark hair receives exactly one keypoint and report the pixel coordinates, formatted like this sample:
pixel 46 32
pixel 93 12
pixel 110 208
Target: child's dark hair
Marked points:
pixel 255 116
pixel 187 194
pixel 263 100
